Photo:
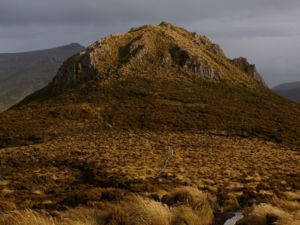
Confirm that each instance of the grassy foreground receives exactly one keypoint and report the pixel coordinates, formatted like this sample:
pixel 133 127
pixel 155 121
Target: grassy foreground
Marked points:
pixel 182 206
pixel 185 206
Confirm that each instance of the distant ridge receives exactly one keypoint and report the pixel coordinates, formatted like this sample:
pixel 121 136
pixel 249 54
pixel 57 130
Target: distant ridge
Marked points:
pixel 25 72
pixel 70 46
pixel 289 90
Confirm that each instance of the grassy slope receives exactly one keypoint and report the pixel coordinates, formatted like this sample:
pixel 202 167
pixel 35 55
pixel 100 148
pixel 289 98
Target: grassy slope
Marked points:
pixel 138 104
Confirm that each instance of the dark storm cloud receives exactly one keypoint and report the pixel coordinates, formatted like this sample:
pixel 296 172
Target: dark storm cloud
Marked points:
pixel 243 27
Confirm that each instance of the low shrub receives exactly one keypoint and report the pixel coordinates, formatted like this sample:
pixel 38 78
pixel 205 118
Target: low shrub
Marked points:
pixel 265 214
pixel 144 211
pixel 184 215
pixel 193 198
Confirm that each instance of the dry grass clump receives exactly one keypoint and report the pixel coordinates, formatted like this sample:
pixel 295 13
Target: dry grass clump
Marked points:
pixel 144 211
pixel 26 217
pixel 112 215
pixel 230 204
pixel 193 198
pixel 134 210
pixel 187 206
pixel 290 195
pixel 79 216
pixel 287 205
pixel 267 214
pixel 138 211
pixel 183 215
pixel 7 206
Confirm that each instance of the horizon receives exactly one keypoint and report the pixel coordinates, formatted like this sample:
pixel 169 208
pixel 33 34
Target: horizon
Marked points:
pixel 85 45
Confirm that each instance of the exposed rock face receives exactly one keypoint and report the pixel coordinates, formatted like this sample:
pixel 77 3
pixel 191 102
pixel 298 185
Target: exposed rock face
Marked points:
pixel 182 59
pixel 249 69
pixel 75 72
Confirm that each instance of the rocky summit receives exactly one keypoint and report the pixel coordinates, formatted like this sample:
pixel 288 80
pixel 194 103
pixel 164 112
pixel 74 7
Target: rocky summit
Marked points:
pixel 133 116
pixel 154 53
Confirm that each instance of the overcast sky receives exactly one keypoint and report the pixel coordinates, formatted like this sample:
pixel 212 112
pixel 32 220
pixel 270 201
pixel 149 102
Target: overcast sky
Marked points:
pixel 265 31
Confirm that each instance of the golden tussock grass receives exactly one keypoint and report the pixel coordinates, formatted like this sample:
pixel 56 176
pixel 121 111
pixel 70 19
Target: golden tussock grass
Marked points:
pixel 265 214
pixel 26 217
pixel 191 198
pixel 194 209
pixel 185 215
pixel 144 211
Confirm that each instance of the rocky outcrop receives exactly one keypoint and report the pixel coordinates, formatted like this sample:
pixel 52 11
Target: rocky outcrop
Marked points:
pixel 194 64
pixel 249 69
pixel 75 71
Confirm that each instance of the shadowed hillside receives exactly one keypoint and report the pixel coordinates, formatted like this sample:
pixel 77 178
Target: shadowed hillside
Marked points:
pixel 289 90
pixel 23 73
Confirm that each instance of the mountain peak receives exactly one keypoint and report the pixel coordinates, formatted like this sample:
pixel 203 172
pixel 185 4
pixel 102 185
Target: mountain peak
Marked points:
pixel 154 51
pixel 74 45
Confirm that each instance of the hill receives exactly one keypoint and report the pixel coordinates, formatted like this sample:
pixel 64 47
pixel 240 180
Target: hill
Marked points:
pixel 158 78
pixel 289 90
pixel 136 115
pixel 23 73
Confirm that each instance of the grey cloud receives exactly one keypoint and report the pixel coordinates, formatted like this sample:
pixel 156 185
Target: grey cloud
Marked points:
pixel 24 12
pixel 281 25
pixel 221 18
